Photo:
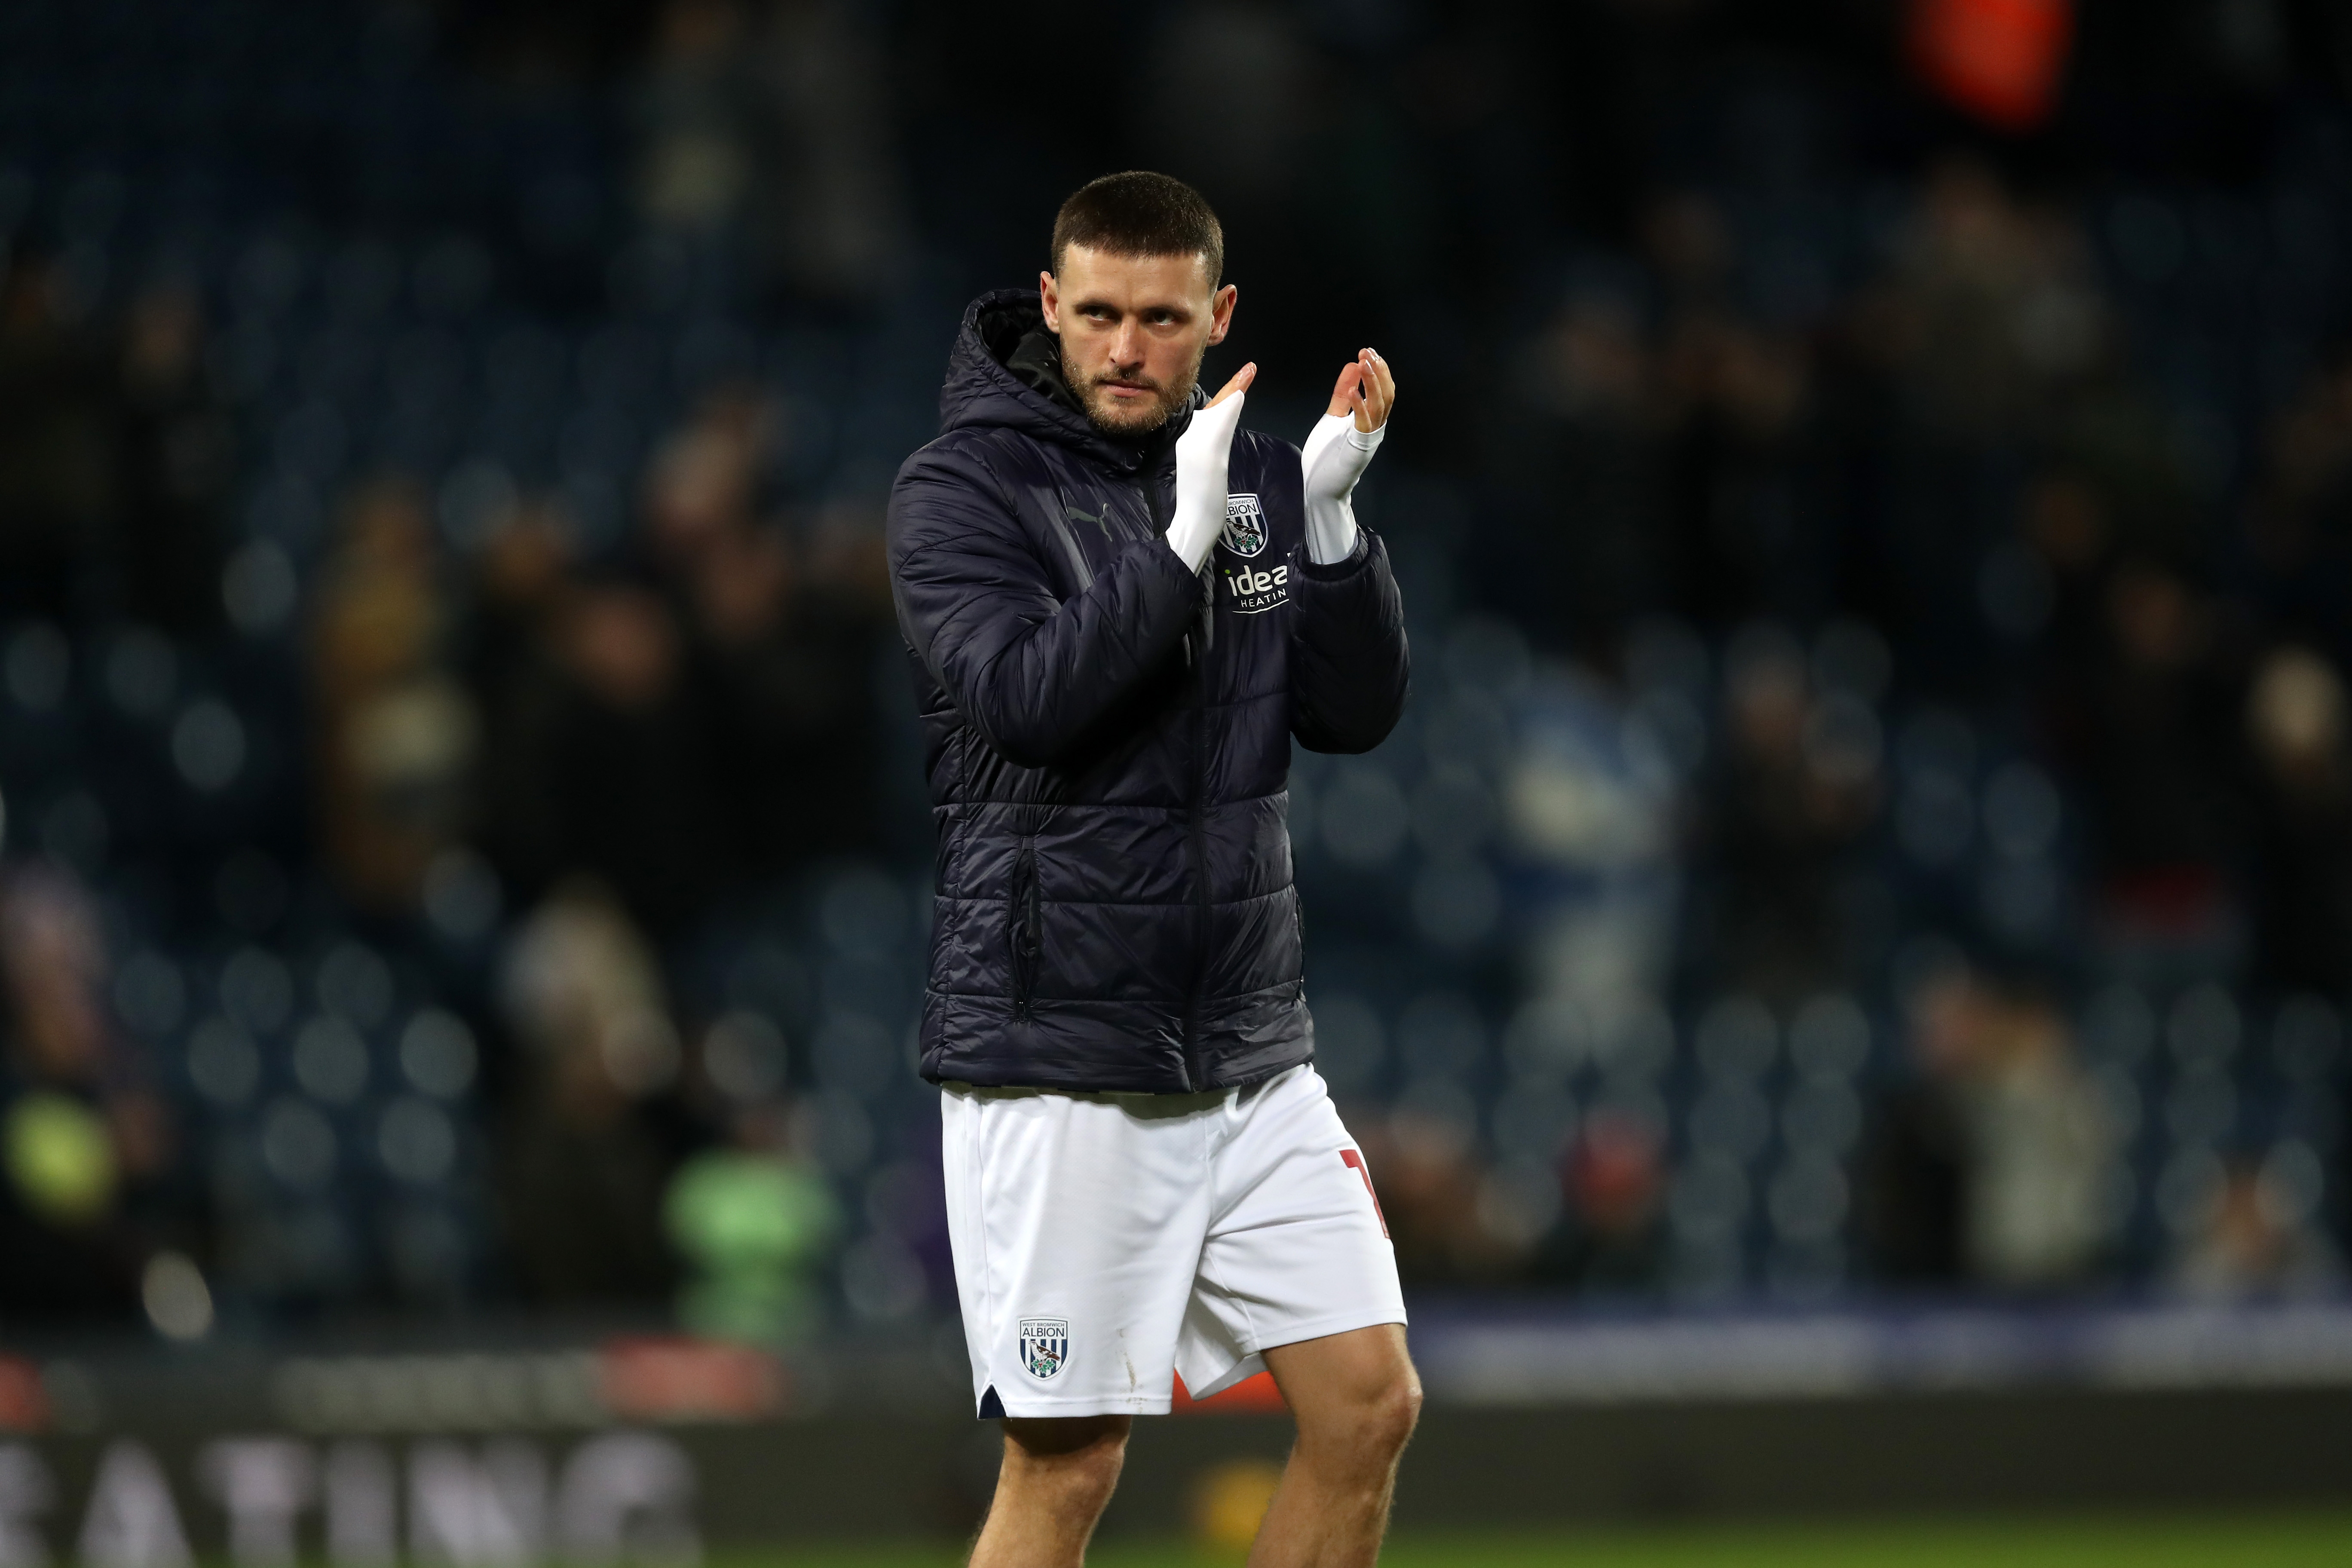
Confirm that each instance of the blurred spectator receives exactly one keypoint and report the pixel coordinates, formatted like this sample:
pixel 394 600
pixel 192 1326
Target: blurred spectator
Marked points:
pixel 1748 515
pixel 1987 334
pixel 2068 529
pixel 1915 1170
pixel 179 450
pixel 2303 757
pixel 2153 742
pixel 781 638
pixel 1991 310
pixel 769 124
pixel 602 760
pixel 113 473
pixel 1574 542
pixel 689 730
pixel 838 230
pixel 2254 1241
pixel 1611 1237
pixel 397 732
pixel 584 1163
pixel 1426 1172
pixel 1590 802
pixel 698 113
pixel 1797 785
pixel 61 458
pixel 1987 1168
pixel 2040 1145
pixel 752 1218
pixel 87 1150
pixel 2298 525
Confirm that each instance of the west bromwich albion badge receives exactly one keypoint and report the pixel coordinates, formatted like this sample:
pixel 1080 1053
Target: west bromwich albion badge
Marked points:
pixel 1044 1345
pixel 1244 525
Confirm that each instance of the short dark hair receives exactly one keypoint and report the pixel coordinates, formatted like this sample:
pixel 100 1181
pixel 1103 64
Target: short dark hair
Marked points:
pixel 1141 214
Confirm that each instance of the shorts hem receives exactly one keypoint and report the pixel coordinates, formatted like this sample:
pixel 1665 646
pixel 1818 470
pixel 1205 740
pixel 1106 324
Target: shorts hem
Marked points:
pixel 1296 1333
pixel 1047 1409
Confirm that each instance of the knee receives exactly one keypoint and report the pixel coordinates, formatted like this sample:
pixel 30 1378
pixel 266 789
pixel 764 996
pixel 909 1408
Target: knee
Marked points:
pixel 1374 1423
pixel 1078 1459
pixel 1391 1414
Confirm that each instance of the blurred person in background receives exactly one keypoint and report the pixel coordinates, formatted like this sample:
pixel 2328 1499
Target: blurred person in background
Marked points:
pixel 2254 1241
pixel 180 451
pixel 602 758
pixel 62 471
pixel 698 109
pixel 87 1150
pixel 1913 1176
pixel 2153 741
pixel 2295 713
pixel 1575 542
pixel 1745 509
pixel 1987 1167
pixel 2068 524
pixel 768 124
pixel 1429 1182
pixel 2040 1145
pixel 839 233
pixel 753 1218
pixel 1119 613
pixel 585 1158
pixel 782 629
pixel 1986 335
pixel 1792 794
pixel 2300 522
pixel 115 460
pixel 397 732
pixel 1611 1239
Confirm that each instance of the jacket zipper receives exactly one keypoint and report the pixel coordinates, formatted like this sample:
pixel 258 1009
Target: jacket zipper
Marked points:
pixel 1195 1072
pixel 1027 925
pixel 1196 649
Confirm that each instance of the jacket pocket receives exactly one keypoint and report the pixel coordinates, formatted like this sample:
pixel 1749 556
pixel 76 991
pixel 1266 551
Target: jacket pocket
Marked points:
pixel 1024 926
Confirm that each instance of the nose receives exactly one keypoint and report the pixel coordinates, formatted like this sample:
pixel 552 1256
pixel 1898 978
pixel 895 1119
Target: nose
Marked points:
pixel 1127 344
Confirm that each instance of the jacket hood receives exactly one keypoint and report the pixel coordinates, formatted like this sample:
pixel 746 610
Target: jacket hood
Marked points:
pixel 980 392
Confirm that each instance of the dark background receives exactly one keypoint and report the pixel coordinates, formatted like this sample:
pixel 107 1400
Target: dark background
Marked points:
pixel 1874 823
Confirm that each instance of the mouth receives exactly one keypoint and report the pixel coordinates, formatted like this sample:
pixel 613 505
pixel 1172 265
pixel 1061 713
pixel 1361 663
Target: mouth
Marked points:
pixel 1128 390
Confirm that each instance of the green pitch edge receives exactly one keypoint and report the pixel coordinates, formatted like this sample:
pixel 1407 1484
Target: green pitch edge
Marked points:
pixel 2149 1541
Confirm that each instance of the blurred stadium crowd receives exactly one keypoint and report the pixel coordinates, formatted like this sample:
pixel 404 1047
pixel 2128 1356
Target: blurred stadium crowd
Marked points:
pixel 1875 814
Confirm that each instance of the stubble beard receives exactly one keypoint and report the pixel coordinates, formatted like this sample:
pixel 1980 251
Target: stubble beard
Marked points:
pixel 1123 421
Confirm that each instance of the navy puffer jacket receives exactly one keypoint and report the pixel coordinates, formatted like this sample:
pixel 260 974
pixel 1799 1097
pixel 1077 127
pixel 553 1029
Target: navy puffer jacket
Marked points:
pixel 1108 737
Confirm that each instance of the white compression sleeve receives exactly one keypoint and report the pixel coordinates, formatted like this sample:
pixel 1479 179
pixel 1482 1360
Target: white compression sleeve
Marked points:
pixel 1200 455
pixel 1334 458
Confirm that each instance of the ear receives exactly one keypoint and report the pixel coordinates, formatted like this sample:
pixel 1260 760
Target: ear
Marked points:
pixel 1221 313
pixel 1050 298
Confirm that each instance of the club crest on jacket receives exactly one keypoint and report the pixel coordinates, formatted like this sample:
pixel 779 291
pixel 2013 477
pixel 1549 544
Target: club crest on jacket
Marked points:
pixel 1044 1345
pixel 1244 525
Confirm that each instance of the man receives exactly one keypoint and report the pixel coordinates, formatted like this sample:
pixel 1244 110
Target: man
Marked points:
pixel 1120 609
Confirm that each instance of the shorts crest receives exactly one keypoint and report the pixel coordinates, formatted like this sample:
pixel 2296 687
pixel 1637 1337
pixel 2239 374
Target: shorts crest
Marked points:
pixel 1044 1345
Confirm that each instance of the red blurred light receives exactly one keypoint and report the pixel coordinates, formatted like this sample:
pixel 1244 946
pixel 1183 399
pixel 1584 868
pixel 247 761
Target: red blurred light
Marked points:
pixel 656 1378
pixel 24 1402
pixel 1999 60
pixel 1250 1396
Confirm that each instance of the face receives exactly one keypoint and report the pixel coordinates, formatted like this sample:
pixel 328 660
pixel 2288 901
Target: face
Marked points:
pixel 1133 329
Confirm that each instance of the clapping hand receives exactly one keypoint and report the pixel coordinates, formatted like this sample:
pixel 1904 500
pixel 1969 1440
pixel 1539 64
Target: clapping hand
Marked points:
pixel 1201 452
pixel 1337 451
pixel 1366 389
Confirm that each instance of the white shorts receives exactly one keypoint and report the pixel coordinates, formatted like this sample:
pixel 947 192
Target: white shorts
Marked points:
pixel 1104 1242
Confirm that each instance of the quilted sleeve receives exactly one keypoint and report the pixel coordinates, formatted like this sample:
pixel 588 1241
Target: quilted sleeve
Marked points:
pixel 1031 672
pixel 1349 669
